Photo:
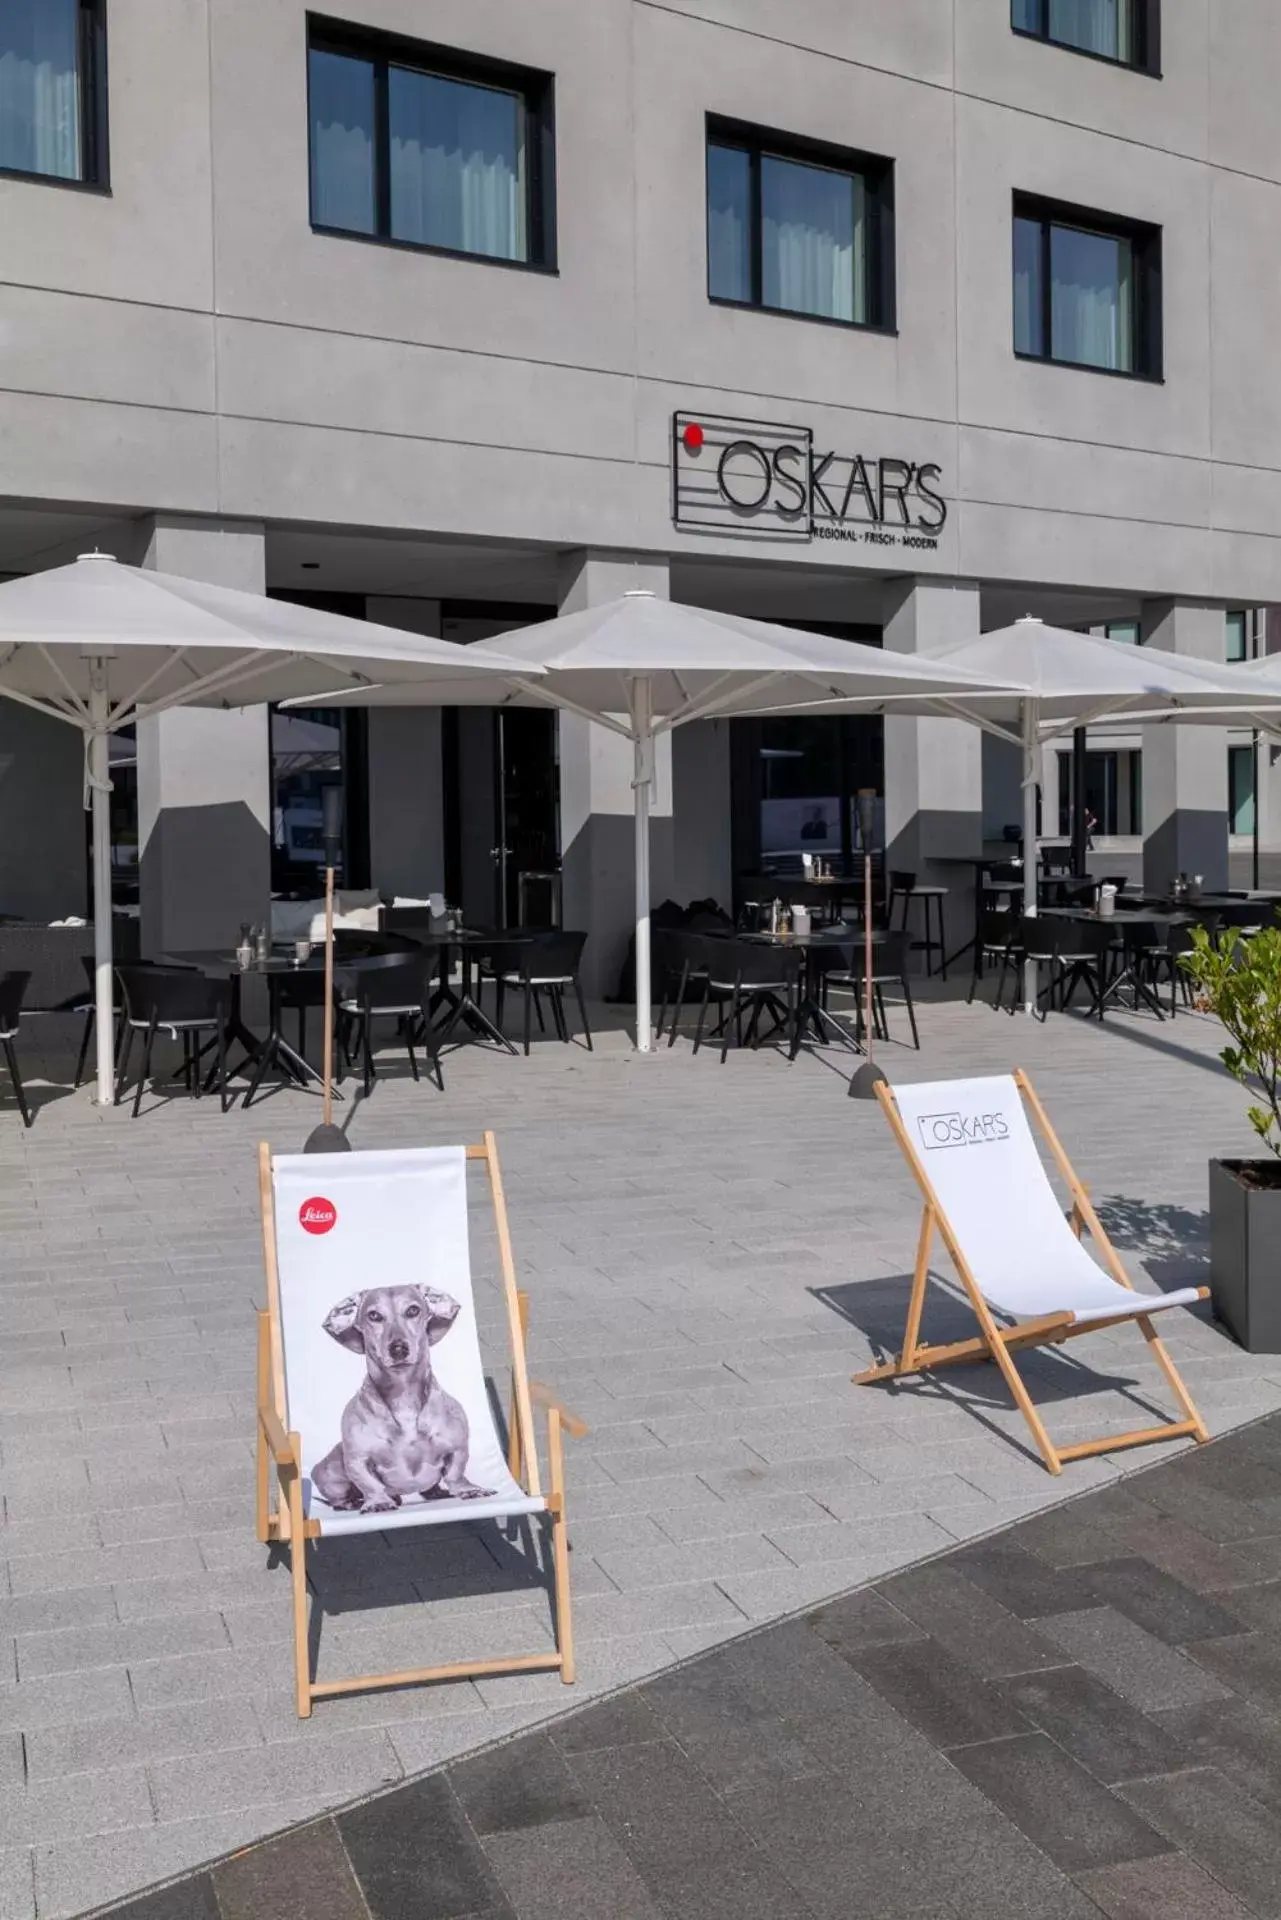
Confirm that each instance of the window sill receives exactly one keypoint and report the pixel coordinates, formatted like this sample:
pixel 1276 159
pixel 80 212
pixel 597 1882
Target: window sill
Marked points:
pixel 889 330
pixel 101 187
pixel 548 269
pixel 1087 53
pixel 1083 366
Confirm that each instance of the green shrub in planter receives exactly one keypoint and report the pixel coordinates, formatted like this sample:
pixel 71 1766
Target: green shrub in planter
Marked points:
pixel 1239 980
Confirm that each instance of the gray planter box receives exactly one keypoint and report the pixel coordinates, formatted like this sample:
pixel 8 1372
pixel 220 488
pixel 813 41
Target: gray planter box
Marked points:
pixel 1245 1257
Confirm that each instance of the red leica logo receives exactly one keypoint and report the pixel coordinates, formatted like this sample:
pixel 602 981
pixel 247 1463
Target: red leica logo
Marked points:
pixel 317 1215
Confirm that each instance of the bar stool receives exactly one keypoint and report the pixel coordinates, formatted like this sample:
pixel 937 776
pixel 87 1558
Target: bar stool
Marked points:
pixel 903 888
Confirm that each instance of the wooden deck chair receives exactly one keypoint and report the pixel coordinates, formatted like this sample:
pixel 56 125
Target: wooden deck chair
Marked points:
pixel 987 1194
pixel 372 1403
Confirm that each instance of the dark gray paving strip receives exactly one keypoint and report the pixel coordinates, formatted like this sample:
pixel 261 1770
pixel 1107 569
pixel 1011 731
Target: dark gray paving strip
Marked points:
pixel 1079 1717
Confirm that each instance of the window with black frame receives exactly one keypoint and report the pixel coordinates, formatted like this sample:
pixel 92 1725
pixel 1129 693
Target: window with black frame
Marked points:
pixel 53 94
pixel 1127 32
pixel 423 147
pixel 797 227
pixel 1241 762
pixel 1087 289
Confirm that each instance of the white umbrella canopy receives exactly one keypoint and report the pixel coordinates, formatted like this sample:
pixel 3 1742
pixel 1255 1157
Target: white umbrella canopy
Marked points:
pixel 100 645
pixel 1078 679
pixel 641 665
pixel 1059 680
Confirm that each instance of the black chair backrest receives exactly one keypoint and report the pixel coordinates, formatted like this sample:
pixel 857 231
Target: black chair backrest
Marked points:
pixel 998 926
pixel 901 882
pixel 1181 933
pixel 1248 913
pixel 685 948
pixel 1040 935
pixel 1092 939
pixel 1057 861
pixel 755 962
pixel 169 995
pixel 889 955
pixel 671 949
pixel 398 979
pixel 1003 873
pixel 12 987
pixel 554 955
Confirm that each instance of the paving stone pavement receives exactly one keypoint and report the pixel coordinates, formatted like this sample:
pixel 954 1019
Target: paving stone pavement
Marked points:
pixel 710 1252
pixel 1046 1723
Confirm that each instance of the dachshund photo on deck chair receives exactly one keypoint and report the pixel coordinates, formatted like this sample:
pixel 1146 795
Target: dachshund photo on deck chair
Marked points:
pixel 403 1436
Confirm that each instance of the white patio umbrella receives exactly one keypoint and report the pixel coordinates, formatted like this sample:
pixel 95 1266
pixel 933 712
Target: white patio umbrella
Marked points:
pixel 642 665
pixel 100 645
pixel 1070 680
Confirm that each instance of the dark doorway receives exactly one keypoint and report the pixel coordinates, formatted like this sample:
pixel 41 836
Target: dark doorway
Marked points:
pixel 796 778
pixel 502 784
pixel 525 755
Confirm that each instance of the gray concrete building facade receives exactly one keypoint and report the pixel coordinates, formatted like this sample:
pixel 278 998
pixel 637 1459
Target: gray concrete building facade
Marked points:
pixel 894 320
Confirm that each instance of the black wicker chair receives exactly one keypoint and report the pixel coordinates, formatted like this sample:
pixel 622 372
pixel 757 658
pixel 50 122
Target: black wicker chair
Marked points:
pixel 389 986
pixel 187 1006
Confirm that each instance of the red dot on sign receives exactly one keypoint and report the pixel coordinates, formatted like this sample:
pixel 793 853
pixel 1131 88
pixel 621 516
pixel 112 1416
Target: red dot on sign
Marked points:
pixel 693 437
pixel 317 1215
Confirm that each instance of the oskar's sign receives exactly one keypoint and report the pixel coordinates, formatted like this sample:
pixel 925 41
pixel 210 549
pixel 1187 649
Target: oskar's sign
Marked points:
pixel 749 477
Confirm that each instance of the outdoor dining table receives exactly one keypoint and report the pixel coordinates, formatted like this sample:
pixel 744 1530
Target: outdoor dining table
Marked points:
pixel 810 1012
pixel 1130 925
pixel 274 1050
pixel 470 944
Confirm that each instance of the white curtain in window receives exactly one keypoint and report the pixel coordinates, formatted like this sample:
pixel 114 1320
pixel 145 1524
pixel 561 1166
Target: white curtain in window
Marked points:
pixel 40 87
pixel 729 220
pixel 1096 26
pixel 1029 287
pixel 342 142
pixel 1092 299
pixel 457 165
pixel 813 240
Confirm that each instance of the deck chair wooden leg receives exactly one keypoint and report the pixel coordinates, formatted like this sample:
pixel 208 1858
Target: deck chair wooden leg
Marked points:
pixel 560 1546
pixel 1200 1432
pixel 920 1275
pixel 1013 1380
pixel 298 1557
pixel 515 1462
pixel 907 1360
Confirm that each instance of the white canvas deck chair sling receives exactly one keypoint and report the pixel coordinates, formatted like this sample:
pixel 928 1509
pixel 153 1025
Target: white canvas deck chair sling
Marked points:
pixel 988 1196
pixel 372 1403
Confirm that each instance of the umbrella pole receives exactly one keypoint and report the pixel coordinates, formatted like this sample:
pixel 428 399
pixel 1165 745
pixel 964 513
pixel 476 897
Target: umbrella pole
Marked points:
pixel 100 805
pixel 643 723
pixel 328 1112
pixel 1031 744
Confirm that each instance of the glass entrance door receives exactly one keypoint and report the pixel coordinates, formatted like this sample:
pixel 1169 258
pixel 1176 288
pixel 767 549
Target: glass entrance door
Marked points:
pixel 528 809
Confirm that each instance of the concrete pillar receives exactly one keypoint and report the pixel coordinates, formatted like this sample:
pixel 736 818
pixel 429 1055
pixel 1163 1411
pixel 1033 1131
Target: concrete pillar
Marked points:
pixel 43 824
pixel 204 778
pixel 406 786
pixel 1185 769
pixel 596 800
pixel 703 867
pixel 934 768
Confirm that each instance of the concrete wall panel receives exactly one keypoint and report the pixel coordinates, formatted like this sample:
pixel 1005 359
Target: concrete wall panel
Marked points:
pixel 151 237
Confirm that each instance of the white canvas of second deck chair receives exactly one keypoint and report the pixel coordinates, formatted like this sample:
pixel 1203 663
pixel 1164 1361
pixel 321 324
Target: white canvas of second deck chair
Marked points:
pixel 1017 1254
pixel 372 1400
